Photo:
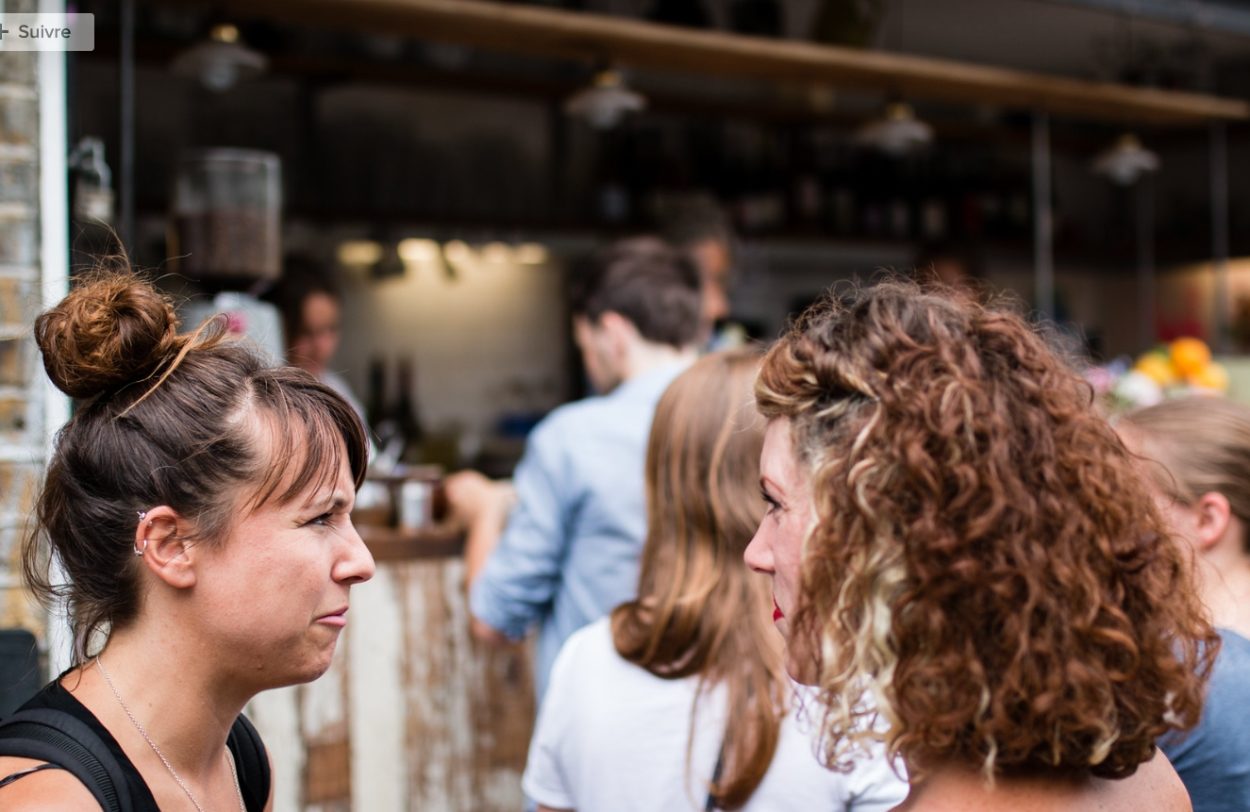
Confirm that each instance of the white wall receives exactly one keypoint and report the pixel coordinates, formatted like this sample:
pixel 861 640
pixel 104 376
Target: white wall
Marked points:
pixel 492 339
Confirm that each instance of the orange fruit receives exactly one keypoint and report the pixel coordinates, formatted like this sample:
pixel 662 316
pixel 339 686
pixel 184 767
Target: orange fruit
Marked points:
pixel 1212 376
pixel 1190 356
pixel 1157 368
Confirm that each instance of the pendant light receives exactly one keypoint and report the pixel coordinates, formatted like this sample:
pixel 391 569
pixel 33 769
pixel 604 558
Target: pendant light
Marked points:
pixel 606 101
pixel 897 132
pixel 221 62
pixel 1126 160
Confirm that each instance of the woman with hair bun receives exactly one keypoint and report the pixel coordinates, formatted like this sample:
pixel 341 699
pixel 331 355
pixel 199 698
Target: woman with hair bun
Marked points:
pixel 961 549
pixel 199 504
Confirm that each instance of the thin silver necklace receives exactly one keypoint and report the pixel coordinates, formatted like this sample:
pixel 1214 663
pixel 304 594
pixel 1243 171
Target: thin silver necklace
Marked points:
pixel 234 770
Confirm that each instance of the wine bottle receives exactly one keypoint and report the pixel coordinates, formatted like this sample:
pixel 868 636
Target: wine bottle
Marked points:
pixel 406 415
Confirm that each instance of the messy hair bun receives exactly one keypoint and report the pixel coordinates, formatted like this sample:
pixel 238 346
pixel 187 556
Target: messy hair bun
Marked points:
pixel 112 329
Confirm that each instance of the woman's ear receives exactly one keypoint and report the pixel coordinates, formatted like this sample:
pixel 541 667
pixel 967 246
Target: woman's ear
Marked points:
pixel 1214 519
pixel 161 543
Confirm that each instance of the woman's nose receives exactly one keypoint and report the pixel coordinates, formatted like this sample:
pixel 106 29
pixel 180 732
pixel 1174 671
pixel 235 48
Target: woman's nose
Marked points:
pixel 356 566
pixel 759 554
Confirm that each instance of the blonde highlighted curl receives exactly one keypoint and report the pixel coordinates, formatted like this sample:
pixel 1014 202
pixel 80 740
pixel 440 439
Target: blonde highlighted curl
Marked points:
pixel 987 571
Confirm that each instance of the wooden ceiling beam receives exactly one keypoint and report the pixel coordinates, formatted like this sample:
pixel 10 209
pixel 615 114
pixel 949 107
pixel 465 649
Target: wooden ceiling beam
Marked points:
pixel 629 43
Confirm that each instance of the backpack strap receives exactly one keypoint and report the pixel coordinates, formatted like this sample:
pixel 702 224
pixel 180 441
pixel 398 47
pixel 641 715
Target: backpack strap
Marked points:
pixel 252 761
pixel 58 738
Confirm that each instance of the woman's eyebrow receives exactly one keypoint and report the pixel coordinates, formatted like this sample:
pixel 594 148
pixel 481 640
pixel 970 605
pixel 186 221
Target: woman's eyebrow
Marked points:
pixel 334 501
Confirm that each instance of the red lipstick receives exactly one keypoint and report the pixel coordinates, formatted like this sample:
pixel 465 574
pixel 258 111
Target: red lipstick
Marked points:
pixel 777 613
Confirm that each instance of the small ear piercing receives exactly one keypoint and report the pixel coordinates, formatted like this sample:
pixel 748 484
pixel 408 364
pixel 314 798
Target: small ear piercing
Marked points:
pixel 143 514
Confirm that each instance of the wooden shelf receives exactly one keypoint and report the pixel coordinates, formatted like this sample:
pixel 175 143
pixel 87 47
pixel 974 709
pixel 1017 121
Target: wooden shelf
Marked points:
pixel 637 44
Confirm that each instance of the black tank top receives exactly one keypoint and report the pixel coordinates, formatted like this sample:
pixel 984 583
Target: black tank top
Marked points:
pixel 55 697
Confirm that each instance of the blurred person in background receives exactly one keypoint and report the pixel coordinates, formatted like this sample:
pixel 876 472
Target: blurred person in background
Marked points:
pixel 575 516
pixel 952 264
pixel 962 550
pixel 644 704
pixel 311 304
pixel 1196 455
pixel 700 229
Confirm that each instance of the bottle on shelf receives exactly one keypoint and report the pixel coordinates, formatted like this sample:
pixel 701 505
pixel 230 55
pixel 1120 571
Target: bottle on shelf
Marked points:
pixel 406 415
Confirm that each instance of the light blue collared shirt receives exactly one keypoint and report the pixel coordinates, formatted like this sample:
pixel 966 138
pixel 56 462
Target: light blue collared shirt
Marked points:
pixel 571 550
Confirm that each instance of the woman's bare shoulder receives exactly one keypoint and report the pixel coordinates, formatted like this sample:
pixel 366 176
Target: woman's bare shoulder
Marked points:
pixel 42 791
pixel 1155 786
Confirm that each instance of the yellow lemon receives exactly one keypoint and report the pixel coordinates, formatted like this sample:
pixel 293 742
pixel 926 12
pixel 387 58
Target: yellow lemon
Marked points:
pixel 1212 376
pixel 1156 367
pixel 1190 356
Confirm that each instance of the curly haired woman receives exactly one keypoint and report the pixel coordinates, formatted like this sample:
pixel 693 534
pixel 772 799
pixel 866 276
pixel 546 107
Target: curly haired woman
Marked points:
pixel 958 543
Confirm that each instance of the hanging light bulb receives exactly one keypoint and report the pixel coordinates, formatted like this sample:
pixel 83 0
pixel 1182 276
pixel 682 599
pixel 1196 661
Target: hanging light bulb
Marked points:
pixel 606 101
pixel 897 133
pixel 1126 160
pixel 221 62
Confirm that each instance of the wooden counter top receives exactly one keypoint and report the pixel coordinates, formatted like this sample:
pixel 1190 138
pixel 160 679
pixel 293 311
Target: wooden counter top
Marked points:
pixel 389 544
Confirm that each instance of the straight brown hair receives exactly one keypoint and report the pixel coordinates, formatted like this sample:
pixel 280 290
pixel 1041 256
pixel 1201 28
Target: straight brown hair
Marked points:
pixel 1203 444
pixel 699 610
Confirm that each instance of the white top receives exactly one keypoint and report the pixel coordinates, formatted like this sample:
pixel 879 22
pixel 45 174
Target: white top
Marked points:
pixel 612 737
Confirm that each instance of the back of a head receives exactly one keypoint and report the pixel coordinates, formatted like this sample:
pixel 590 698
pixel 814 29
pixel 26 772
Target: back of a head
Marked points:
pixel 1203 444
pixel 987 563
pixel 164 419
pixel 653 286
pixel 699 611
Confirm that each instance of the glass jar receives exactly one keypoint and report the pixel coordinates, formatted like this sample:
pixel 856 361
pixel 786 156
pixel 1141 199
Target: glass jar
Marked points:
pixel 227 216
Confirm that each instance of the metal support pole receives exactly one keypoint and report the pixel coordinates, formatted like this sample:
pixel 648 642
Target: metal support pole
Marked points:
pixel 54 283
pixel 1043 219
pixel 1219 235
pixel 1147 315
pixel 126 91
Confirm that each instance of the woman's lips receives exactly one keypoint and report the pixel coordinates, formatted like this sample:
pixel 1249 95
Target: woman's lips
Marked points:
pixel 338 619
pixel 777 613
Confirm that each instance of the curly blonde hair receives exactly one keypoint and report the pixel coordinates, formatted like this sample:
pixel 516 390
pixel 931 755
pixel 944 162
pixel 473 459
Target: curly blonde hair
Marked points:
pixel 986 570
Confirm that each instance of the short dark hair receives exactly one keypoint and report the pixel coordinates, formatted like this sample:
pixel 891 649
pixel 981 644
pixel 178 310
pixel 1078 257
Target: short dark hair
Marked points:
pixel 698 219
pixel 302 276
pixel 648 282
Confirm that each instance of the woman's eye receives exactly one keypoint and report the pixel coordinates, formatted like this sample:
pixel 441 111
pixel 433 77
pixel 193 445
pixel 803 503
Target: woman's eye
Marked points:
pixel 772 503
pixel 323 520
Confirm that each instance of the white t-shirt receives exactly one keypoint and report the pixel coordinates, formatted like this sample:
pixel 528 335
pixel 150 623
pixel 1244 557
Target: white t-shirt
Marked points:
pixel 612 737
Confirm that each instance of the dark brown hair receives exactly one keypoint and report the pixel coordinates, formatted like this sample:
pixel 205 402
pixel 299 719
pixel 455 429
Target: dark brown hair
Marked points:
pixel 986 562
pixel 166 419
pixel 699 610
pixel 655 287
pixel 1203 444
pixel 302 277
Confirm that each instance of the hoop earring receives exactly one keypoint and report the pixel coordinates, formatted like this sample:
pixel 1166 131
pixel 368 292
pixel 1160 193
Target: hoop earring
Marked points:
pixel 143 514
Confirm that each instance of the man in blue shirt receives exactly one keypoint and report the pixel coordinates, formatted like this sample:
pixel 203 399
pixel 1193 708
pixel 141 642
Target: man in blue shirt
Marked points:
pixel 570 549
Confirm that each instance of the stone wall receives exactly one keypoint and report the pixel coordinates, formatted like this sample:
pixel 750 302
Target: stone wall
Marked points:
pixel 21 382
